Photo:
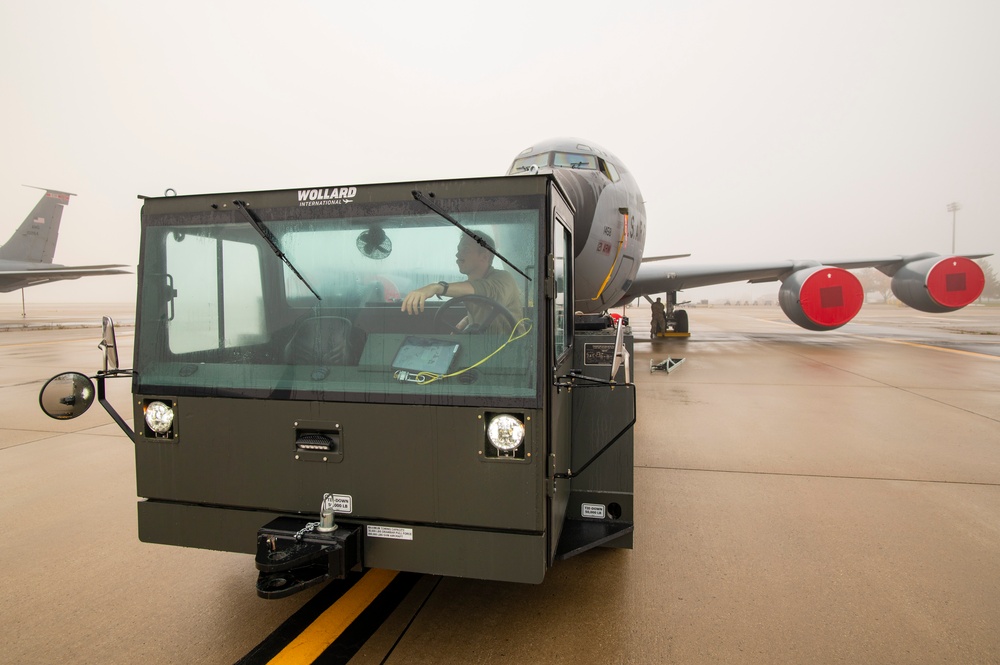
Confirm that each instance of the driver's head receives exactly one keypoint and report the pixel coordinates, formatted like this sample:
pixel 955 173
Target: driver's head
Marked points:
pixel 474 261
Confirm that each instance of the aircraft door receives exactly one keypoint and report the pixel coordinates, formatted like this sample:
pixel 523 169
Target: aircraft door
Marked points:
pixel 625 268
pixel 560 312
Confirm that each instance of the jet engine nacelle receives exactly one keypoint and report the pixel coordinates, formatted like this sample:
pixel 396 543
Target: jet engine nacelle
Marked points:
pixel 939 283
pixel 821 297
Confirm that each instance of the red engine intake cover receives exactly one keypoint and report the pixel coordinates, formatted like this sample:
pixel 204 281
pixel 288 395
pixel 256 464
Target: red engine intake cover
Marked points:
pixel 831 297
pixel 955 282
pixel 821 298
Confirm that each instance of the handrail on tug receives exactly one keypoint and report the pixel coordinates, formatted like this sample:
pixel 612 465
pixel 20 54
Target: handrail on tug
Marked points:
pixel 572 377
pixel 622 358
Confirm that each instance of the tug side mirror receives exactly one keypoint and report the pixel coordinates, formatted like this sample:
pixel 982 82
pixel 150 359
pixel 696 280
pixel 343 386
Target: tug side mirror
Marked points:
pixel 66 396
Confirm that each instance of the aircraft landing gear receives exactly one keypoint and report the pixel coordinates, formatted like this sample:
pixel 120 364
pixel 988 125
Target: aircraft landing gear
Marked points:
pixel 676 319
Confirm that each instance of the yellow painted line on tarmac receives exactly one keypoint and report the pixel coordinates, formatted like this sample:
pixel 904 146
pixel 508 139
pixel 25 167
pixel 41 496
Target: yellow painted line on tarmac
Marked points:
pixel 918 345
pixel 960 352
pixel 328 626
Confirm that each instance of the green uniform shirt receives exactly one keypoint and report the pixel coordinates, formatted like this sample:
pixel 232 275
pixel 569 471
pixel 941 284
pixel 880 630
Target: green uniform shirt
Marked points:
pixel 500 286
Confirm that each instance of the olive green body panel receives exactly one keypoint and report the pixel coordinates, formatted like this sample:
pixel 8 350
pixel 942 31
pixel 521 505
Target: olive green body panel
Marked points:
pixel 402 463
pixel 491 555
pixel 598 415
pixel 203 527
pixel 561 436
pixel 507 557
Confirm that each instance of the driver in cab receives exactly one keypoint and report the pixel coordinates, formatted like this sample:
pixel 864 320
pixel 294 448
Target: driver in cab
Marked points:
pixel 484 280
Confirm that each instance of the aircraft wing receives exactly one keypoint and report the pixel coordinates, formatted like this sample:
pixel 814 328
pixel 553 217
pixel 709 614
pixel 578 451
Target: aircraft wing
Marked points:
pixel 661 277
pixel 823 295
pixel 12 280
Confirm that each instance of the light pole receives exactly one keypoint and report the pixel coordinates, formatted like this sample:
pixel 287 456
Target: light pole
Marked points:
pixel 953 208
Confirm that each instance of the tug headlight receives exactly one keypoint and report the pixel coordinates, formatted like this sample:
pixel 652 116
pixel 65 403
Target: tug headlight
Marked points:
pixel 159 417
pixel 505 432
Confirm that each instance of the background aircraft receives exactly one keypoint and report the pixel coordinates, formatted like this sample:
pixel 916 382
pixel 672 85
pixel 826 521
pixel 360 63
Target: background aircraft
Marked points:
pixel 26 259
pixel 610 235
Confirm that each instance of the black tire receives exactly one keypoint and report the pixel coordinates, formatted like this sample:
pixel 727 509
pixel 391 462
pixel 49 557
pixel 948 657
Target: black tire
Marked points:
pixel 680 321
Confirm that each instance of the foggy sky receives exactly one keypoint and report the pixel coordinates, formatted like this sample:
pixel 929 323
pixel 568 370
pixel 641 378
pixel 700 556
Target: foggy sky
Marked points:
pixel 767 130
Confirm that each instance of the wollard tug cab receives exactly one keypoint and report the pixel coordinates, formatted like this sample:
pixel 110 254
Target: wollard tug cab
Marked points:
pixel 275 374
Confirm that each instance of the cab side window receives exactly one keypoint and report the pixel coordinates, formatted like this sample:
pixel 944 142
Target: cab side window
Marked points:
pixel 562 249
pixel 206 316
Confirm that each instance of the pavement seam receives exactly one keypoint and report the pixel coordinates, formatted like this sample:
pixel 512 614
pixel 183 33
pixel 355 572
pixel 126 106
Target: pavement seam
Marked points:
pixel 822 475
pixel 908 391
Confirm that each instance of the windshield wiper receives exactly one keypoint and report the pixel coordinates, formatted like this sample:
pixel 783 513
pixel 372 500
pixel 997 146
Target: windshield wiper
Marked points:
pixel 472 234
pixel 268 237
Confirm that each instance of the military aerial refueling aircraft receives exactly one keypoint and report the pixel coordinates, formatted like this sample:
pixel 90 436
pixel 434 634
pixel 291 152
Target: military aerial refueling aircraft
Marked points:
pixel 817 295
pixel 26 259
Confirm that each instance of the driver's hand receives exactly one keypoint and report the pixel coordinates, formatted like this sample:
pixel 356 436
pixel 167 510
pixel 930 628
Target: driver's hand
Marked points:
pixel 413 303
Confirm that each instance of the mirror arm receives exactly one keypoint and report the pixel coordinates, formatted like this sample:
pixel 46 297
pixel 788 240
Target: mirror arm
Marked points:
pixel 102 398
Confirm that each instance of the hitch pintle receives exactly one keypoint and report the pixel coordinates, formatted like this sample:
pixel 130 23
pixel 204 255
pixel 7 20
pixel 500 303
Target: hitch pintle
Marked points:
pixel 293 555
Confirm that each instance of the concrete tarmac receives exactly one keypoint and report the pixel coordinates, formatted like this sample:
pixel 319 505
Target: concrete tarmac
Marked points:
pixel 800 497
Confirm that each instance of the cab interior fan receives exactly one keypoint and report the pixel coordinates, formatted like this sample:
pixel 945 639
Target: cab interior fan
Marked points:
pixel 374 243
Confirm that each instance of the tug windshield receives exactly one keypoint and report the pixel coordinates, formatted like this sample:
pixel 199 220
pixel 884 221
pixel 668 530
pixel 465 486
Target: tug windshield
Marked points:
pixel 222 315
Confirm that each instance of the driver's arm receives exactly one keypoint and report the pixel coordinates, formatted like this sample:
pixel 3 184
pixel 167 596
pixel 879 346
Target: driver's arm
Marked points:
pixel 413 303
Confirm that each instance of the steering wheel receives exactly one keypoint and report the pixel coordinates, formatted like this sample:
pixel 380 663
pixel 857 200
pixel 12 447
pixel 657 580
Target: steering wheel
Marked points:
pixel 442 322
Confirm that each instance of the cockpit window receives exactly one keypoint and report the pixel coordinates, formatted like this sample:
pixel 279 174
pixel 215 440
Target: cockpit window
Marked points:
pixel 560 160
pixel 610 171
pixel 574 160
pixel 523 164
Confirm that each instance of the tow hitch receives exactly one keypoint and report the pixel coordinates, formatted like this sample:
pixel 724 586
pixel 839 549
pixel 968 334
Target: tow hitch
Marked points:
pixel 294 554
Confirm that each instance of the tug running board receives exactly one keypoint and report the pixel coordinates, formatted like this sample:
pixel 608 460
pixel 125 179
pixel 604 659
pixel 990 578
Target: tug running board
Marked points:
pixel 578 536
pixel 293 556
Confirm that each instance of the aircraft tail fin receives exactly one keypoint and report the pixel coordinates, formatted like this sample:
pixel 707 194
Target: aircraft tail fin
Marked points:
pixel 35 240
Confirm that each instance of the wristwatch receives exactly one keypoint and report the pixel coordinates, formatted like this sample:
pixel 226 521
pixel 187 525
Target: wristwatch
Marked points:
pixel 444 288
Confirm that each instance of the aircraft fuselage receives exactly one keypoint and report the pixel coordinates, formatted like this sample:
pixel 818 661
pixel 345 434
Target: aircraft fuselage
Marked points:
pixel 610 220
pixel 610 234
